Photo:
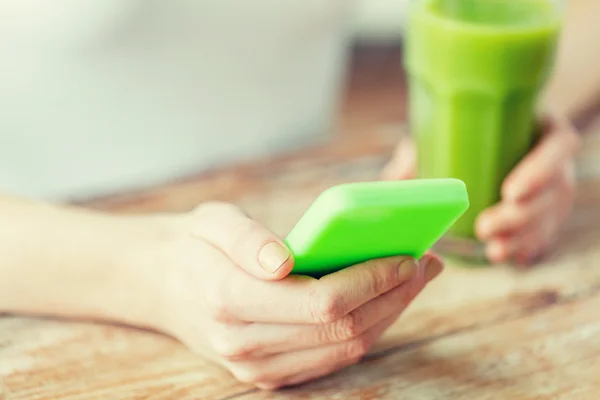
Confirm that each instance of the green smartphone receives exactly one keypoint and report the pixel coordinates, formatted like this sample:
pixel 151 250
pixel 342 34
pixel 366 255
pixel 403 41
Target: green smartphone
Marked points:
pixel 356 222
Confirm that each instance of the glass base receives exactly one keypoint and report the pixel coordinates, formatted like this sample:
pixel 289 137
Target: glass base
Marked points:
pixel 470 252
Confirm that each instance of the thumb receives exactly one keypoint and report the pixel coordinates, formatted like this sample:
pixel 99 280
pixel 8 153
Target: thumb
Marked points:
pixel 403 164
pixel 247 243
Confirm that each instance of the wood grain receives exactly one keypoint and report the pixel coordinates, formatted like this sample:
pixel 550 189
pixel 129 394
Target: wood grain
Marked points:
pixel 476 333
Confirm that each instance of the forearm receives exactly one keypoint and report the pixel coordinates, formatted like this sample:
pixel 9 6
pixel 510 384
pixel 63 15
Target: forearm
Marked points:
pixel 72 262
pixel 575 85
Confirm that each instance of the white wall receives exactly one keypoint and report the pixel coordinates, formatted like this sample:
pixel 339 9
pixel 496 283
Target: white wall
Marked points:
pixel 380 19
pixel 108 95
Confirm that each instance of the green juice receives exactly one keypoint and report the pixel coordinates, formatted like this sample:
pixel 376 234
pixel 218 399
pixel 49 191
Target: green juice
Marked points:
pixel 475 70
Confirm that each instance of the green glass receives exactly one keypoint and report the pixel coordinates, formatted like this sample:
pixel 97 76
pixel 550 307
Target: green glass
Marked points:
pixel 476 68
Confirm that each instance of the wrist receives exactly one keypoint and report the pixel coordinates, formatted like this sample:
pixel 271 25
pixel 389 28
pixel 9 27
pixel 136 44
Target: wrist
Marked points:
pixel 72 262
pixel 136 292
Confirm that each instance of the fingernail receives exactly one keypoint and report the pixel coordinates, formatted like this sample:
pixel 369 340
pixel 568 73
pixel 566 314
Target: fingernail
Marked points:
pixel 407 269
pixel 433 267
pixel 272 256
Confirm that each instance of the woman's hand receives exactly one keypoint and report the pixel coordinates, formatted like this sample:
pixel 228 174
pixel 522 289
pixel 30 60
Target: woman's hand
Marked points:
pixel 536 197
pixel 227 296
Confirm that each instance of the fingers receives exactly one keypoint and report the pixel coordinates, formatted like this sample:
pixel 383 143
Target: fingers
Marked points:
pixel 303 300
pixel 403 164
pixel 525 245
pixel 296 367
pixel 522 248
pixel 433 266
pixel 340 293
pixel 322 371
pixel 258 340
pixel 521 231
pixel 536 198
pixel 540 166
pixel 507 217
pixel 247 243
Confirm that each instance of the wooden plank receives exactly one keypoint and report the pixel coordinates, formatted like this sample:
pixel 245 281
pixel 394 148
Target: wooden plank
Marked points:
pixel 45 359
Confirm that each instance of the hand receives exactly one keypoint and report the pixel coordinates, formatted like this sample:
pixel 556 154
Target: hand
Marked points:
pixel 536 197
pixel 227 296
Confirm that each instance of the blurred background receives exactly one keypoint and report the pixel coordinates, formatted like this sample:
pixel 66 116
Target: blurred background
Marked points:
pixel 380 20
pixel 109 97
pixel 137 93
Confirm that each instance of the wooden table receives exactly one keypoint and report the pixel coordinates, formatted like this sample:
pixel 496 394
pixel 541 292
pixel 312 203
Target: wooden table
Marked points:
pixel 491 333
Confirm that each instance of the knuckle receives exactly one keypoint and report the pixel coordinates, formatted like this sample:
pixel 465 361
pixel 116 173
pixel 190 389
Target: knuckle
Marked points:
pixel 348 327
pixel 357 348
pixel 269 385
pixel 250 375
pixel 518 218
pixel 218 308
pixel 382 276
pixel 326 309
pixel 511 216
pixel 232 351
pixel 243 231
